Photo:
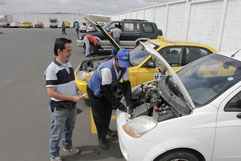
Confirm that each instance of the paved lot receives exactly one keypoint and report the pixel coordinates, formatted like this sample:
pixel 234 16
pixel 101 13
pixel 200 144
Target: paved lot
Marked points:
pixel 24 115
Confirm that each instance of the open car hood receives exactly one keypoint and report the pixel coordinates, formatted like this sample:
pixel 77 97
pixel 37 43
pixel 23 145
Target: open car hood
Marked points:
pixel 164 66
pixel 104 32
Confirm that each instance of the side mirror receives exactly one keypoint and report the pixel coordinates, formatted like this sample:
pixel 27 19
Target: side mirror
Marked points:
pixel 239 115
pixel 150 64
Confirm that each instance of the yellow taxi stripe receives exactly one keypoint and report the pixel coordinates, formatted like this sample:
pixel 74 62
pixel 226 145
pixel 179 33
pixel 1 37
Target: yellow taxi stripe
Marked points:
pixel 92 122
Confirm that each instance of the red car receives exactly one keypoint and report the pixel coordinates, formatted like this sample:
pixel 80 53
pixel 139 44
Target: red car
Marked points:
pixel 39 24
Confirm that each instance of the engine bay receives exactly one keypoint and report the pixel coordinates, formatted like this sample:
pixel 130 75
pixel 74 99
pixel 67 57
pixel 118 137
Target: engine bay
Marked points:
pixel 147 100
pixel 90 65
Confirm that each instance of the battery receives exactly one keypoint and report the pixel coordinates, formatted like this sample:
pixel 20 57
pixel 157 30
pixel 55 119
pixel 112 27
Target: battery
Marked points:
pixel 162 115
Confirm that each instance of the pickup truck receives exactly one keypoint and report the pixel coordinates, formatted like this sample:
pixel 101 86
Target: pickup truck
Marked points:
pixel 133 31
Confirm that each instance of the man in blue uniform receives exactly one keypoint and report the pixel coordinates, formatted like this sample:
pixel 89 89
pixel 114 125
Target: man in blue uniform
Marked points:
pixel 105 78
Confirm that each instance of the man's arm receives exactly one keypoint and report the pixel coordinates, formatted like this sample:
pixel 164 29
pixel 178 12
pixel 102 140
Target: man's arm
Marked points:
pixel 106 89
pixel 127 92
pixel 52 93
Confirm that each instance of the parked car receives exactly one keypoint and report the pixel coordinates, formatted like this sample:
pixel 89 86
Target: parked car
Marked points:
pixel 39 24
pixel 27 24
pixel 5 20
pixel 15 24
pixel 53 22
pixel 133 31
pixel 101 23
pixel 67 24
pixel 143 68
pixel 191 115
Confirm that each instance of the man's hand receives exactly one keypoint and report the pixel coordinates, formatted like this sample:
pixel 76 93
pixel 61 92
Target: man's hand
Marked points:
pixel 129 109
pixel 79 92
pixel 77 98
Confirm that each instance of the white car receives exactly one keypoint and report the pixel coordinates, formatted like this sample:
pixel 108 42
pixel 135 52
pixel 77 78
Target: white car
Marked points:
pixel 191 115
pixel 15 24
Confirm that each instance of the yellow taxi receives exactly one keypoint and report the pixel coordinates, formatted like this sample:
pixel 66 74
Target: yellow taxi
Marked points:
pixel 143 68
pixel 27 24
pixel 67 24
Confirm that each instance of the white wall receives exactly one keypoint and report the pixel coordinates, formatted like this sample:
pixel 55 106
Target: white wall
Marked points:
pixel 216 23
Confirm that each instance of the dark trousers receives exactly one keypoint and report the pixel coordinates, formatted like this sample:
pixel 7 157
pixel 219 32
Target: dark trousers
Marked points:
pixel 102 111
pixel 63 31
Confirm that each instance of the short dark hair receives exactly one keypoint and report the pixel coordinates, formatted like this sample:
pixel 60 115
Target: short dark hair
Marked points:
pixel 60 44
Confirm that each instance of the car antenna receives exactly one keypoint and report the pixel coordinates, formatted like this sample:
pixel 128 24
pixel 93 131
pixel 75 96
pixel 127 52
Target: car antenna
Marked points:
pixel 235 53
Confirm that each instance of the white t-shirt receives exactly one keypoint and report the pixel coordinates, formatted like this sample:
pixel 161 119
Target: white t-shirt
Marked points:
pixel 107 76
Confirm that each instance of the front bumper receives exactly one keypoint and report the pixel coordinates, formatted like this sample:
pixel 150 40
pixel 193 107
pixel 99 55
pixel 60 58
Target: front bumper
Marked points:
pixel 133 149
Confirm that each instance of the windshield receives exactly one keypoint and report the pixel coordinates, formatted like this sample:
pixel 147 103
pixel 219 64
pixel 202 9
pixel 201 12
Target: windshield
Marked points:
pixel 53 21
pixel 210 77
pixel 106 25
pixel 2 20
pixel 138 55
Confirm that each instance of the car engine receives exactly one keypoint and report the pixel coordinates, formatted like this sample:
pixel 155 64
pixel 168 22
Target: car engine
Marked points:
pixel 91 64
pixel 147 100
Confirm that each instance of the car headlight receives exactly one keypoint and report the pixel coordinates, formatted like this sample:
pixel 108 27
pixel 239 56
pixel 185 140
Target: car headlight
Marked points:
pixel 81 75
pixel 139 126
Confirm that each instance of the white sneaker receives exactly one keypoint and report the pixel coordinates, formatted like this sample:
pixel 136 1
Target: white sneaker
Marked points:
pixel 73 150
pixel 56 159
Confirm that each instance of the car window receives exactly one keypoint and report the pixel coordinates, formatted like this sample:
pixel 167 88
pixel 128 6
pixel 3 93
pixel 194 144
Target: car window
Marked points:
pixel 210 77
pixel 128 27
pixel 234 105
pixel 193 53
pixel 149 64
pixel 112 26
pixel 138 55
pixel 147 27
pixel 172 55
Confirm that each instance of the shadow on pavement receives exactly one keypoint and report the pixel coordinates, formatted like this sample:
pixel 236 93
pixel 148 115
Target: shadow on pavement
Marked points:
pixel 96 153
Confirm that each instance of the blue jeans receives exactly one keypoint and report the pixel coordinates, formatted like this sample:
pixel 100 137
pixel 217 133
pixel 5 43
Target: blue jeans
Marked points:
pixel 117 40
pixel 62 126
pixel 87 46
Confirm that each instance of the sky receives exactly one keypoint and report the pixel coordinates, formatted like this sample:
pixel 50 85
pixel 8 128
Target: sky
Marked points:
pixel 102 7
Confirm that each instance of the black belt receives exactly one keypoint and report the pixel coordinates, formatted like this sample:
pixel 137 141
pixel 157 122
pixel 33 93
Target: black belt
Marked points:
pixel 63 104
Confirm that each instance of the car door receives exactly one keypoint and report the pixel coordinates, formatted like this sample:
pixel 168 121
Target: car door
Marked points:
pixel 172 55
pixel 147 71
pixel 192 53
pixel 228 141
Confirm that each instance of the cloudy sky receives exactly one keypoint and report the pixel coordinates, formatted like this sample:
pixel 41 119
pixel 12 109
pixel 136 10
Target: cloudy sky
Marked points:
pixel 103 7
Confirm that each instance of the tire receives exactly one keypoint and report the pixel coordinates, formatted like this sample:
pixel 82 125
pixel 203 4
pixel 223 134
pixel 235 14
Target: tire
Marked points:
pixel 84 47
pixel 178 156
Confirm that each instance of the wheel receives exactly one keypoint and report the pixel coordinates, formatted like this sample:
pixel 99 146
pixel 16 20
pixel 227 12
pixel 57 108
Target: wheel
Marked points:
pixel 84 47
pixel 178 156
